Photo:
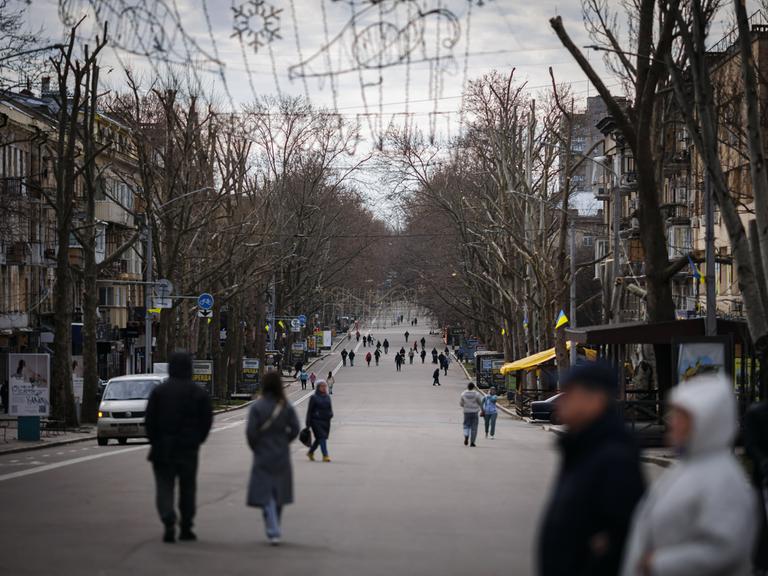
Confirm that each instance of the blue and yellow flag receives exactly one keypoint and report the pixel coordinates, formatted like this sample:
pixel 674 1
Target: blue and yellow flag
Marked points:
pixel 281 324
pixel 696 272
pixel 562 320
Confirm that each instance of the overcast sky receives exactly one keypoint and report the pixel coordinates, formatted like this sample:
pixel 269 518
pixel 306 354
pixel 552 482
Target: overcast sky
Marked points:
pixel 329 49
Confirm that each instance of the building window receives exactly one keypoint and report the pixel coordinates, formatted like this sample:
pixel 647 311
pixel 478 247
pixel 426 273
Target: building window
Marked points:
pixel 588 240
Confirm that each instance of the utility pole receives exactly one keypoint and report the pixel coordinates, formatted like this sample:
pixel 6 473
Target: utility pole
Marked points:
pixel 710 322
pixel 616 217
pixel 148 298
pixel 572 311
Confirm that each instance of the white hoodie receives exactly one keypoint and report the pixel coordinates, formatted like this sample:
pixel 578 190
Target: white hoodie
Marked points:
pixel 700 517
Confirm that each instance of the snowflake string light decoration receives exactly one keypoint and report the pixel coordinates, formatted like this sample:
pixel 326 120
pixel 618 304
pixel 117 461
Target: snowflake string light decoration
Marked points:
pixel 256 23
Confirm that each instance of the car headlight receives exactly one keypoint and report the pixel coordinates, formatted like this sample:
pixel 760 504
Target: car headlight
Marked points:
pixel 103 414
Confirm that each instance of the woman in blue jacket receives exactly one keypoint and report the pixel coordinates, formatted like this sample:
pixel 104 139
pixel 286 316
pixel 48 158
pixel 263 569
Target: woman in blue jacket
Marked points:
pixel 490 412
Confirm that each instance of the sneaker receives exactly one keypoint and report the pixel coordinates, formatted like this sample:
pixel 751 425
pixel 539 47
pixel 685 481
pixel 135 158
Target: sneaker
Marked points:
pixel 326 458
pixel 473 445
pixel 187 535
pixel 169 536
pixel 274 541
pixel 466 440
pixel 311 456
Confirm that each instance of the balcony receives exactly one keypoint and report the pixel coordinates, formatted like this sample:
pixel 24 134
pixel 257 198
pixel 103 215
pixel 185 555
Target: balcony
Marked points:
pixel 109 211
pixel 676 214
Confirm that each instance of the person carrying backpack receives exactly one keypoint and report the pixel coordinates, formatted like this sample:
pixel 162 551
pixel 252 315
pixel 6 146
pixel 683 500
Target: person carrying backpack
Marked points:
pixel 490 412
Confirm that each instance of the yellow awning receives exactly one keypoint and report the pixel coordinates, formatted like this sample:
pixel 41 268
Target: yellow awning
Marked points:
pixel 539 358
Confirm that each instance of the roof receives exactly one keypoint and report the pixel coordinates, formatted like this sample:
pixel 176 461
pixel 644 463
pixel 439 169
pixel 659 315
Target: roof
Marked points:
pixel 139 377
pixel 537 359
pixel 652 333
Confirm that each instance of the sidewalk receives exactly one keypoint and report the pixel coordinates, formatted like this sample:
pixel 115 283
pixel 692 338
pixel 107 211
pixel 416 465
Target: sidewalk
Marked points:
pixel 47 439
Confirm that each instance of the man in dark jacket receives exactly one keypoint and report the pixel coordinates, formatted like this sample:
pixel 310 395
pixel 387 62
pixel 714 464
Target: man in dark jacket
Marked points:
pixel 599 482
pixel 179 417
pixel 756 443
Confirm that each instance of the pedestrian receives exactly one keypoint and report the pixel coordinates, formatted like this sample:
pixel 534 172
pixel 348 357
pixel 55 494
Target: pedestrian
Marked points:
pixel 378 344
pixel 377 355
pixel 398 361
pixel 423 355
pixel 435 375
pixel 410 356
pixel 446 363
pixel 386 346
pixel 756 444
pixel 415 347
pixel 312 378
pixel 357 336
pixel 406 336
pixel 272 426
pixel 471 403
pixel 447 351
pixel 370 340
pixel 4 395
pixel 303 377
pixel 343 356
pixel 490 412
pixel 297 368
pixel 368 359
pixel 319 415
pixel 598 484
pixel 415 321
pixel 441 360
pixel 365 341
pixel 423 343
pixel 330 381
pixel 699 516
pixel 351 358
pixel 434 356
pixel 402 352
pixel 178 419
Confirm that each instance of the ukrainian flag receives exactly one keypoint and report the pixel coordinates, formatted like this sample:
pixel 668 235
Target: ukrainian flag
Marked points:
pixel 562 320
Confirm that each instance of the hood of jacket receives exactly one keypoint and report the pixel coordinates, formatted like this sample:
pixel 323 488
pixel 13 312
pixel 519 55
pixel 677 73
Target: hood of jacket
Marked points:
pixel 710 401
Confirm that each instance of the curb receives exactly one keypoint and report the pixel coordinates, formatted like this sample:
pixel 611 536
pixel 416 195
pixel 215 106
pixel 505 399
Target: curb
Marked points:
pixel 58 443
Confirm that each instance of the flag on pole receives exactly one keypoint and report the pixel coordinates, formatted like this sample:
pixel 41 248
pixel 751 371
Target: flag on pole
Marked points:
pixel 281 324
pixel 696 272
pixel 503 331
pixel 154 310
pixel 562 320
pixel 266 327
pixel 525 321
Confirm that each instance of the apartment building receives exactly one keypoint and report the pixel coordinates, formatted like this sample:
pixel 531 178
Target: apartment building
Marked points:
pixel 682 194
pixel 28 245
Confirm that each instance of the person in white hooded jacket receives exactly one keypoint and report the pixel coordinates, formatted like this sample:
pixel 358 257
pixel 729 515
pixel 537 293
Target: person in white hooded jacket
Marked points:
pixel 699 518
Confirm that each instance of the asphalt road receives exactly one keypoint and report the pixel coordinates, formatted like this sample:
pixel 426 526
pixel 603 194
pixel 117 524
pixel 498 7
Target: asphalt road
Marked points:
pixel 403 495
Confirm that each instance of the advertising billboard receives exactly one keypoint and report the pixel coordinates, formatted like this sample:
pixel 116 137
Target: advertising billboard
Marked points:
pixel 29 384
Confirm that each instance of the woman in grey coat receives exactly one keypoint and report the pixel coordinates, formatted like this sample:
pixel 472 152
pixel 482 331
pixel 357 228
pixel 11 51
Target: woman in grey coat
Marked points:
pixel 272 426
pixel 699 518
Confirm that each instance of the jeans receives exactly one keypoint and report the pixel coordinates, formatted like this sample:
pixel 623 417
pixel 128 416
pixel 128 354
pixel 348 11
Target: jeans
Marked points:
pixel 490 423
pixel 322 443
pixel 471 421
pixel 272 513
pixel 165 482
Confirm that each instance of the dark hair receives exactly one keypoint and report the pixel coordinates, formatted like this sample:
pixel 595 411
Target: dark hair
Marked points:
pixel 272 386
pixel 330 374
pixel 471 386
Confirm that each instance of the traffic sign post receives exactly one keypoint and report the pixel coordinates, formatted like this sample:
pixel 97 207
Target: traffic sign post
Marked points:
pixel 205 301
pixel 205 313
pixel 302 319
pixel 161 294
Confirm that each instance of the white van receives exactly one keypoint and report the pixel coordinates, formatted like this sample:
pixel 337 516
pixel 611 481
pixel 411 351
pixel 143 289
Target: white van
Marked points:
pixel 124 406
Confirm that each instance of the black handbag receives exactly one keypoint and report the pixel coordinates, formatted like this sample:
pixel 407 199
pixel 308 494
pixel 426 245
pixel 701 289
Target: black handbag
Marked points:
pixel 305 437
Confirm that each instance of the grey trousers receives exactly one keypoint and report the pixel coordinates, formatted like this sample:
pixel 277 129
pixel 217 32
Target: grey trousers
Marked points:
pixel 166 474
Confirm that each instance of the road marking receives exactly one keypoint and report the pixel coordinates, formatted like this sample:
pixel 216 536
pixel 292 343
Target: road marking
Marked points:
pixel 64 463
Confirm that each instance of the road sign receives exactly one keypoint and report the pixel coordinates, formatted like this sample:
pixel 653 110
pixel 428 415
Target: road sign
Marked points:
pixel 204 313
pixel 161 294
pixel 205 301
pixel 295 325
pixel 302 319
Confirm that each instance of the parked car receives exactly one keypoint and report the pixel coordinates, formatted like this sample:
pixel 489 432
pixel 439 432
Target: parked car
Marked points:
pixel 123 407
pixel 545 410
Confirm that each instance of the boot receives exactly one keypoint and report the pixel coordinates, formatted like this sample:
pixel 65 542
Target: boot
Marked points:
pixel 169 536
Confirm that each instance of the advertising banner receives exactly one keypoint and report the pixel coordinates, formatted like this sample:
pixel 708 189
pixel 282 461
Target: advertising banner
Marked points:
pixel 249 377
pixel 77 378
pixel 29 384
pixel 327 339
pixel 202 373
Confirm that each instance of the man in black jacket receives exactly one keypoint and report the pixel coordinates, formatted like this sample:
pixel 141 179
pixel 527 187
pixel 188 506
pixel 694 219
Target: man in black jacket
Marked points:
pixel 599 483
pixel 179 417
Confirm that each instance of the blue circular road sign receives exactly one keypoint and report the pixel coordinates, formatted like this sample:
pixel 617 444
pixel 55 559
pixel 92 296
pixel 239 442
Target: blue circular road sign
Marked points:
pixel 302 319
pixel 205 301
